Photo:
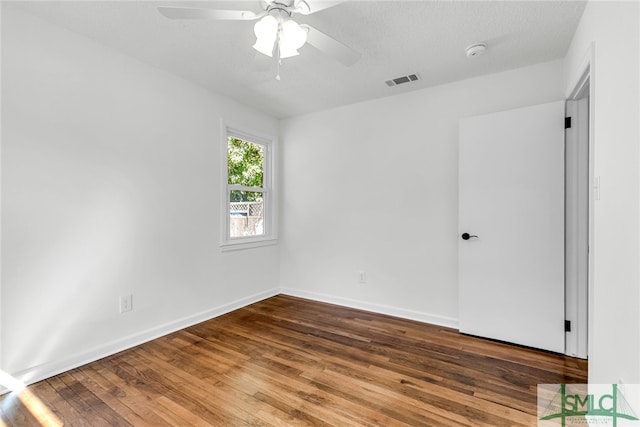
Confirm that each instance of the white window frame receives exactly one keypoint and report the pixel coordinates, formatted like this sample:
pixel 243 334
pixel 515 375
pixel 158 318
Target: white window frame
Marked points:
pixel 269 196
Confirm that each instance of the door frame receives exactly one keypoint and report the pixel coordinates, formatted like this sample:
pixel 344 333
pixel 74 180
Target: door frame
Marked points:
pixel 580 87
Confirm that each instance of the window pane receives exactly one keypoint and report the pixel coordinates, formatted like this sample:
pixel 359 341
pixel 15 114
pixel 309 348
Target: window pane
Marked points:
pixel 245 162
pixel 246 211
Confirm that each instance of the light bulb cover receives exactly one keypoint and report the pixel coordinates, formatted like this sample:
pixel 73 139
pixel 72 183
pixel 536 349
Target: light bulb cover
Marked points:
pixel 291 37
pixel 288 53
pixel 264 47
pixel 266 31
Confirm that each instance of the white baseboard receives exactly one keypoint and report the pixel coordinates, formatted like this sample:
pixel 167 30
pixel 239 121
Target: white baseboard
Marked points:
pixel 47 370
pixel 435 319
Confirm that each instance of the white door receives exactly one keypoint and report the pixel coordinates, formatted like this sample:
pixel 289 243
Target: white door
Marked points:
pixel 511 196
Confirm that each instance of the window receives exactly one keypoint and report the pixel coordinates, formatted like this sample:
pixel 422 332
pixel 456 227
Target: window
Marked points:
pixel 248 206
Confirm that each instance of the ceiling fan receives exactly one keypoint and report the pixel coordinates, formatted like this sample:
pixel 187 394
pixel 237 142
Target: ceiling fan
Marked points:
pixel 277 34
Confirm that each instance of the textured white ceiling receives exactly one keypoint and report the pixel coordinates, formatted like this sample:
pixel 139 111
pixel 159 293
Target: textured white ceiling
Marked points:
pixel 395 38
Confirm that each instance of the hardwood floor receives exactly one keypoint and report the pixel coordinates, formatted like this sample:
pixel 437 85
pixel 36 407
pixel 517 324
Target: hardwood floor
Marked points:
pixel 291 362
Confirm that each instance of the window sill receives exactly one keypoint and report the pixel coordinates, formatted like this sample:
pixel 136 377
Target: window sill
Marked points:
pixel 247 244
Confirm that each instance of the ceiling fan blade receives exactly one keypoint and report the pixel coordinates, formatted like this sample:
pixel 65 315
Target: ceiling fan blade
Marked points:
pixel 307 7
pixel 173 12
pixel 331 46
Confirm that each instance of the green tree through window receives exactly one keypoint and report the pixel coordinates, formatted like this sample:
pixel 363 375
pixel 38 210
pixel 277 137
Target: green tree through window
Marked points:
pixel 245 162
pixel 247 192
pixel 248 200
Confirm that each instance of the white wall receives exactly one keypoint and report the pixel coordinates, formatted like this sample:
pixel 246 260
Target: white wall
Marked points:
pixel 613 28
pixel 373 187
pixel 110 186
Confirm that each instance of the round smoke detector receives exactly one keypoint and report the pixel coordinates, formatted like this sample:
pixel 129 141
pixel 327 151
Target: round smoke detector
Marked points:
pixel 476 49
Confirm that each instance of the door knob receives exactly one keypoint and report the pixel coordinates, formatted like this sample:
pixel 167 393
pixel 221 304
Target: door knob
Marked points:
pixel 467 236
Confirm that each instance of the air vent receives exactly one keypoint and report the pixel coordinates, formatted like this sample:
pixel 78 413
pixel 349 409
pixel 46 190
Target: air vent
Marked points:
pixel 404 79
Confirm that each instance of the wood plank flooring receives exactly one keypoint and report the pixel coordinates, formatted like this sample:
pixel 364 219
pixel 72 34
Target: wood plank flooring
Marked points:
pixel 292 362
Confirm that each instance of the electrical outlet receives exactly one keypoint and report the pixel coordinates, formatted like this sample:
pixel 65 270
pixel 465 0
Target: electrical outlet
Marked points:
pixel 126 303
pixel 362 276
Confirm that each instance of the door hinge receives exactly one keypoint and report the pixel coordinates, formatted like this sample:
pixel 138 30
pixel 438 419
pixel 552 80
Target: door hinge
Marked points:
pixel 567 325
pixel 567 122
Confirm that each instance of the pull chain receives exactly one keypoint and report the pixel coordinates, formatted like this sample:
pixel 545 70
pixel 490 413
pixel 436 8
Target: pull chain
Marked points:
pixel 278 59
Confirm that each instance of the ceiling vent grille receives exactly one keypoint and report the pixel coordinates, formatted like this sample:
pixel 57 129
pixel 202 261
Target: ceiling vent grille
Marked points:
pixel 404 79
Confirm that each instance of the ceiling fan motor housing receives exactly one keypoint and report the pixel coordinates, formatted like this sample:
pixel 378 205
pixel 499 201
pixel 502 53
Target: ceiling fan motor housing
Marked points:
pixel 290 7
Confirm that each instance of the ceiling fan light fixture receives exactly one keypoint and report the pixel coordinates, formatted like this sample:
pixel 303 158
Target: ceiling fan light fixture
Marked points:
pixel 286 52
pixel 266 31
pixel 291 38
pixel 264 47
